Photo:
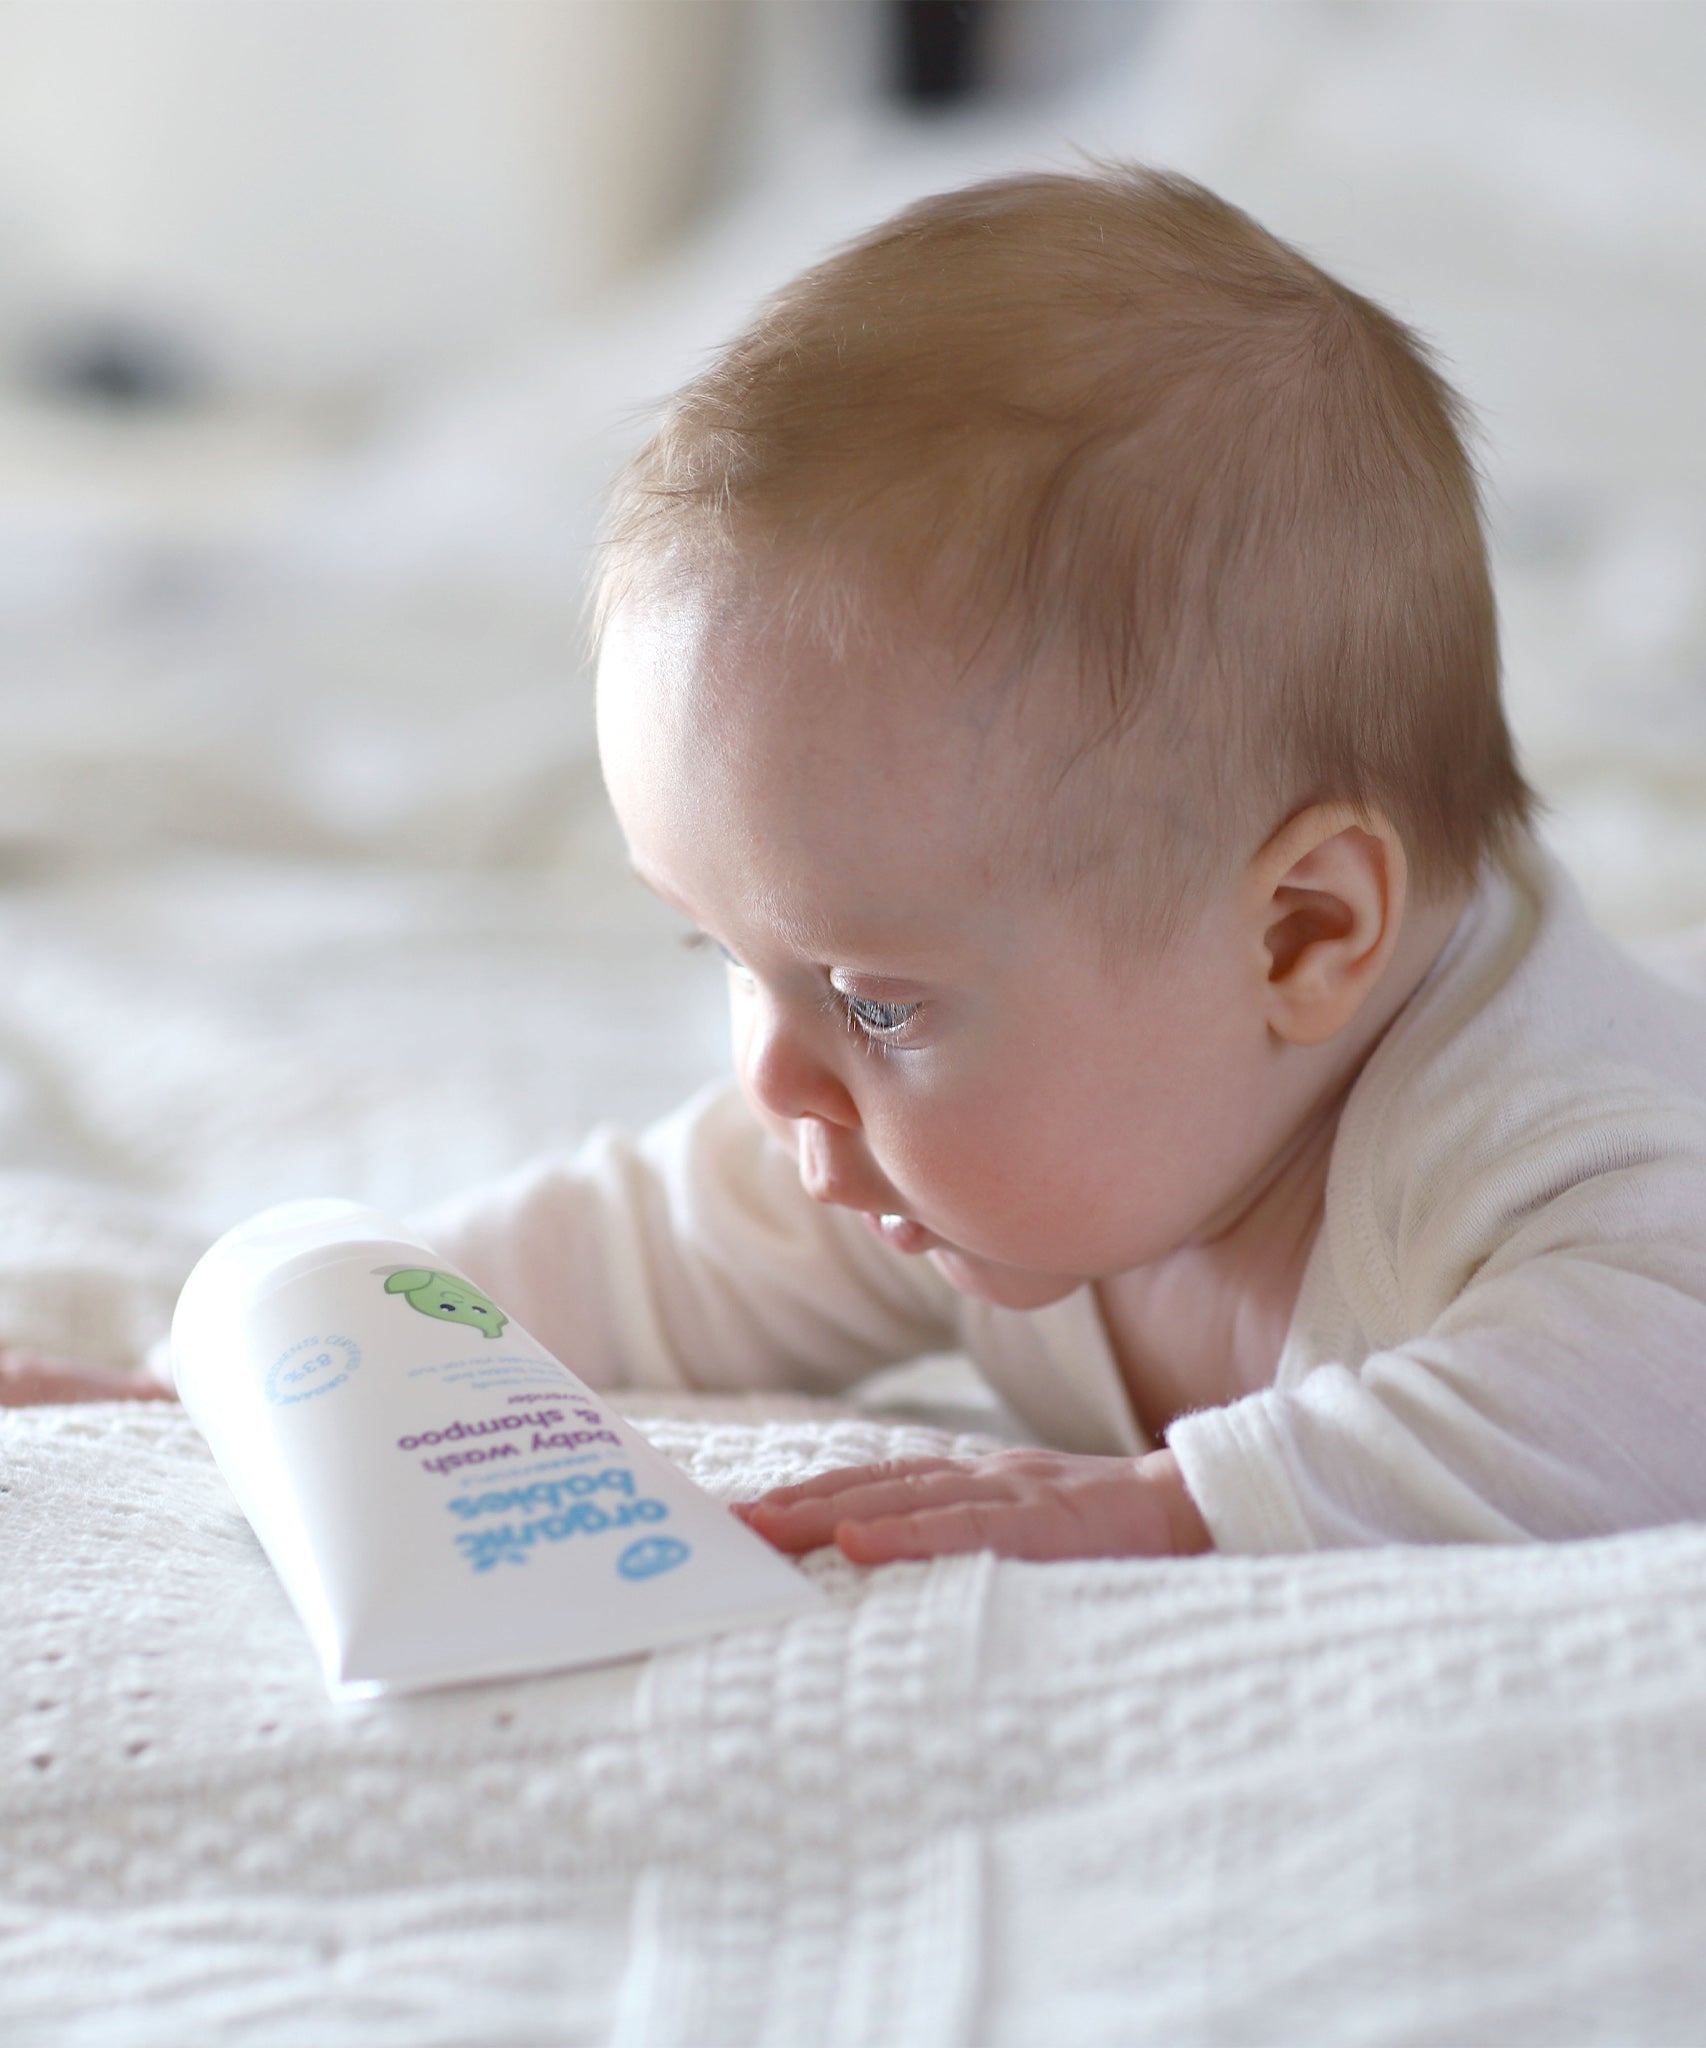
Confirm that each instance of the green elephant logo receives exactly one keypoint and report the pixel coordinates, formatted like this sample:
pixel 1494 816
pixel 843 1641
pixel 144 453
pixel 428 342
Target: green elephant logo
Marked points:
pixel 449 1299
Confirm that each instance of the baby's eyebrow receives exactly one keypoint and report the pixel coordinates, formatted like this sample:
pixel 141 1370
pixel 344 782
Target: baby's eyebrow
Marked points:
pixel 806 936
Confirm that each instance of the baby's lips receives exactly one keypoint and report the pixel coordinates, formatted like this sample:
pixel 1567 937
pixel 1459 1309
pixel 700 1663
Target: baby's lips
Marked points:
pixel 901 1234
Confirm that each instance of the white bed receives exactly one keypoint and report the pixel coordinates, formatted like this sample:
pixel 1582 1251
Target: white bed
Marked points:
pixel 305 886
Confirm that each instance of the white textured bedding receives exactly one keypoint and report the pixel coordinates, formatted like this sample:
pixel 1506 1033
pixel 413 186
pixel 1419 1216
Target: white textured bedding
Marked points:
pixel 305 887
pixel 1370 1798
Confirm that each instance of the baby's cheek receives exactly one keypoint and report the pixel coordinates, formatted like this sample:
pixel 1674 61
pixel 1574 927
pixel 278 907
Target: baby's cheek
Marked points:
pixel 1049 1197
pixel 971 1182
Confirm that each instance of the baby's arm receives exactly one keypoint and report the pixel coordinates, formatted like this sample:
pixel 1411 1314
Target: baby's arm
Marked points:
pixel 29 1380
pixel 1032 1504
pixel 688 1257
pixel 1561 1394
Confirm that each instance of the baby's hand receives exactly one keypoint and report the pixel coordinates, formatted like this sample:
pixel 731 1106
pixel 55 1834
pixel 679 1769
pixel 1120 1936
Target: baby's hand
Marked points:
pixel 1035 1504
pixel 28 1380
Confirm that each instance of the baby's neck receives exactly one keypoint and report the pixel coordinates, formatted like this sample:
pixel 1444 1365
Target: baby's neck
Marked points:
pixel 1207 1322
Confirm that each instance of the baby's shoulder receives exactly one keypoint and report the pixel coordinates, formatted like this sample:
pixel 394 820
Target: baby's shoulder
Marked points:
pixel 1534 1027
pixel 1544 1074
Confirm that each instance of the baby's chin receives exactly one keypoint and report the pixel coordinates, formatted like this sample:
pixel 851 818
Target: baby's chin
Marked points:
pixel 1005 1286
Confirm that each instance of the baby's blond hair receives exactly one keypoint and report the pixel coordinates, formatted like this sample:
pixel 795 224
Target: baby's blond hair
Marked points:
pixel 1107 417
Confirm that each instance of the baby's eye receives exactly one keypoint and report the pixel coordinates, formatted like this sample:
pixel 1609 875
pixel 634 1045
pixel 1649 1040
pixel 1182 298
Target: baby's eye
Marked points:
pixel 879 1020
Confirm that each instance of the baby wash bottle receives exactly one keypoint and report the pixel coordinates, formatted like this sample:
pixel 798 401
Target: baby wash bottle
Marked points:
pixel 442 1499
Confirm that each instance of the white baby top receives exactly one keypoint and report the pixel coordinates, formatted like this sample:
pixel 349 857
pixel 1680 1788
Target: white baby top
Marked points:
pixel 1501 1330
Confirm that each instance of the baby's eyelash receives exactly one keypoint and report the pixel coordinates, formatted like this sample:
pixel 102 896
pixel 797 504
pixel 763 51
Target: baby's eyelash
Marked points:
pixel 878 1017
pixel 878 1024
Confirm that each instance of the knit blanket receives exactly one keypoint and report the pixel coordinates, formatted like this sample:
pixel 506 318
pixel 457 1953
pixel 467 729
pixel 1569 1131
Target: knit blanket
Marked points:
pixel 1375 1797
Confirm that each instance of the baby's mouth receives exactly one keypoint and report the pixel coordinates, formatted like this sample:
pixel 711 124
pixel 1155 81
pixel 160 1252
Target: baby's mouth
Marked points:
pixel 901 1234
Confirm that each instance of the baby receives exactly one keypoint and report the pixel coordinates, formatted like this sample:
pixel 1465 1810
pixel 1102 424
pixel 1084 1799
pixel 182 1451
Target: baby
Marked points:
pixel 1051 654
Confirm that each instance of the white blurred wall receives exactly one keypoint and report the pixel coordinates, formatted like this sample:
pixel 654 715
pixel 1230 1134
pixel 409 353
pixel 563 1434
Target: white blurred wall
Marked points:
pixel 316 194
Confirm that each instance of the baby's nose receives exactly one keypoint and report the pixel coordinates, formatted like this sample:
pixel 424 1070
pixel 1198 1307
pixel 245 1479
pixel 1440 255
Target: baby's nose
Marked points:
pixel 782 1068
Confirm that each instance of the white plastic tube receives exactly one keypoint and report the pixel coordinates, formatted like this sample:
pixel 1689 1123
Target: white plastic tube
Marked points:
pixel 443 1500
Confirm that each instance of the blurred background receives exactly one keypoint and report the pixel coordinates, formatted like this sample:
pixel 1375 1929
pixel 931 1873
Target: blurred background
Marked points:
pixel 324 323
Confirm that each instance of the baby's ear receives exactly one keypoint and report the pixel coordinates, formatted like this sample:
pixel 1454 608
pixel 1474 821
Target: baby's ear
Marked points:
pixel 1328 893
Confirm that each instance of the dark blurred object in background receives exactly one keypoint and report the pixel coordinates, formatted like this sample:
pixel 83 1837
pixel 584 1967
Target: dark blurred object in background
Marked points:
pixel 124 365
pixel 938 49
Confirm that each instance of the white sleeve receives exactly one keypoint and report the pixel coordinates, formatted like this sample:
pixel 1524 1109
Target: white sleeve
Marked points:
pixel 1561 1393
pixel 691 1257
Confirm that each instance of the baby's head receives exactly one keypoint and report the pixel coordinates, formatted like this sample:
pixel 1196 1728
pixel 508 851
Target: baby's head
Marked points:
pixel 1052 652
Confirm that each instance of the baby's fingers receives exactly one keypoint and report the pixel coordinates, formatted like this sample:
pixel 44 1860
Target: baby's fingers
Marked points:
pixel 801 1525
pixel 945 1531
pixel 846 1476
